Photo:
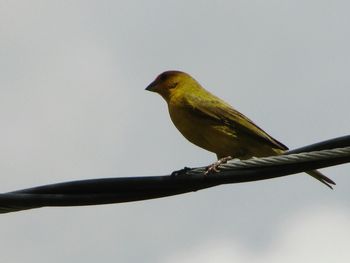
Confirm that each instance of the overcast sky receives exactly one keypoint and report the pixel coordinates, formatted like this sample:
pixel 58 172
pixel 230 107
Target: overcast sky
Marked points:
pixel 73 106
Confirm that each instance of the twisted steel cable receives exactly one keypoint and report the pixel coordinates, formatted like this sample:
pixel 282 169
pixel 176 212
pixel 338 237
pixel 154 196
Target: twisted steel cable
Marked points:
pixel 235 164
pixel 127 189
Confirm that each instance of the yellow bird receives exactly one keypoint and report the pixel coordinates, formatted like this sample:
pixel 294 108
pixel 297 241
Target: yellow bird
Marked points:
pixel 212 124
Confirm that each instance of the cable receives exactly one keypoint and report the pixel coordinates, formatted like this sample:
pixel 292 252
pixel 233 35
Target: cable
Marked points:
pixel 127 189
pixel 279 160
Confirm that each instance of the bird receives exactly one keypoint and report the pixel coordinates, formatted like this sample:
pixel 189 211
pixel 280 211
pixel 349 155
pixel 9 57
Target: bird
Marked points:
pixel 214 125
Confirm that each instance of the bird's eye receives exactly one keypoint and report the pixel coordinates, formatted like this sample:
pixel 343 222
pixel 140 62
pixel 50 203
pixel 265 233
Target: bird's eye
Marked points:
pixel 173 85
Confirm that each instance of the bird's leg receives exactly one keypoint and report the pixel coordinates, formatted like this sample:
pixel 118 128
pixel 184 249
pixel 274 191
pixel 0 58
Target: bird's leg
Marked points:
pixel 215 166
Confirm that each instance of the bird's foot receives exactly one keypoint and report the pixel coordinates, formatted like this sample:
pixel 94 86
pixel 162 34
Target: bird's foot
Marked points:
pixel 215 166
pixel 181 172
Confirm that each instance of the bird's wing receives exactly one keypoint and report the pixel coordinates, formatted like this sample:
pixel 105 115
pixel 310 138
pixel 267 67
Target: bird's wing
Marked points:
pixel 215 109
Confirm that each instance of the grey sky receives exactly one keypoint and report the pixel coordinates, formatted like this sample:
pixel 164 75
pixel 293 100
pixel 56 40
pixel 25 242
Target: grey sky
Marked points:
pixel 73 106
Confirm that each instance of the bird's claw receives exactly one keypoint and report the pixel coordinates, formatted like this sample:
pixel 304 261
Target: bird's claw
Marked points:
pixel 215 166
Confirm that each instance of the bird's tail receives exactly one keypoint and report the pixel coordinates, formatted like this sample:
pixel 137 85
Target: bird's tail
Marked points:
pixel 315 174
pixel 322 178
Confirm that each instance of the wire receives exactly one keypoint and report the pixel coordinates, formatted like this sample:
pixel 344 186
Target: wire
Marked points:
pixel 127 189
pixel 235 164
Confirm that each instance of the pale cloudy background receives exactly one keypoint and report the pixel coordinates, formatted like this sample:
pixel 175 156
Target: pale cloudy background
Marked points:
pixel 73 106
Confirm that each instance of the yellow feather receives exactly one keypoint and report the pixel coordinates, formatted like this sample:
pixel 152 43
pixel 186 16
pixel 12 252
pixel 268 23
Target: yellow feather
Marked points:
pixel 212 124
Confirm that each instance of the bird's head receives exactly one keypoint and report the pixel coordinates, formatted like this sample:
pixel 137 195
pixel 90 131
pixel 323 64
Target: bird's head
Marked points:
pixel 170 82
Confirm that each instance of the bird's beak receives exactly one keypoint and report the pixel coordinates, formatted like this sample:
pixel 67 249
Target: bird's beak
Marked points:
pixel 151 87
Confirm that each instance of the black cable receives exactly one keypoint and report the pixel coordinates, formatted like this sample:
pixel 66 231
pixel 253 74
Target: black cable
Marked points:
pixel 127 189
